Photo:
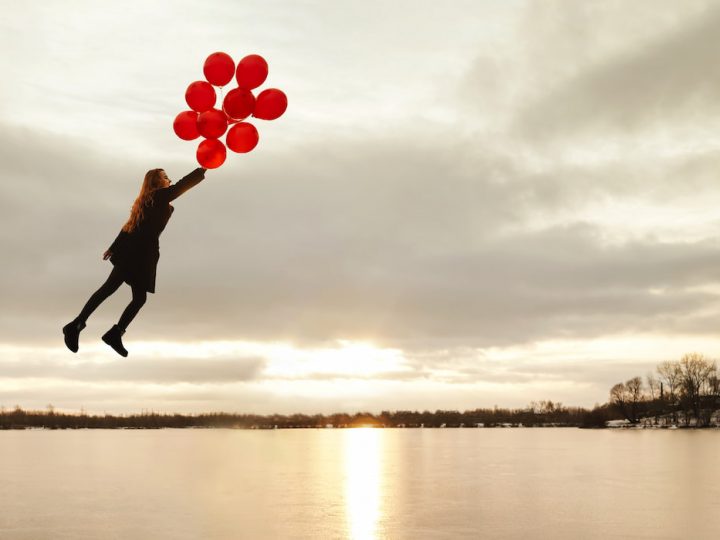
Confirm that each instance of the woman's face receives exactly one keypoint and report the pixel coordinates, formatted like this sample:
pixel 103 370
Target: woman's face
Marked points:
pixel 164 180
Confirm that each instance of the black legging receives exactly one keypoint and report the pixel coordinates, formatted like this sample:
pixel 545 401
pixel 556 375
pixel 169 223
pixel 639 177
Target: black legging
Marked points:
pixel 113 282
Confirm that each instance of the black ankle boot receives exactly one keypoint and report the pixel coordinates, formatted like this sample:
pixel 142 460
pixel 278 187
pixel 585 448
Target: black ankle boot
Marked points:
pixel 71 331
pixel 113 337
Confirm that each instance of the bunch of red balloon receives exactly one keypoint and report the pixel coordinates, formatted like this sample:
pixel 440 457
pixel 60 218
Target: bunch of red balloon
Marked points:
pixel 211 123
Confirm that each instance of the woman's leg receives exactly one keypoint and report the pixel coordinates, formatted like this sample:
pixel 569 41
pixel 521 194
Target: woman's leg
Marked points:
pixel 72 330
pixel 111 285
pixel 113 337
pixel 139 296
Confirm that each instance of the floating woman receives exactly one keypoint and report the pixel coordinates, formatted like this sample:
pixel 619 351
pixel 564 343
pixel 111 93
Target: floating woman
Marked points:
pixel 135 254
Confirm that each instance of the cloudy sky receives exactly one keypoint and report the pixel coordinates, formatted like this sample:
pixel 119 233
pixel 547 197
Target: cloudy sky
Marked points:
pixel 478 203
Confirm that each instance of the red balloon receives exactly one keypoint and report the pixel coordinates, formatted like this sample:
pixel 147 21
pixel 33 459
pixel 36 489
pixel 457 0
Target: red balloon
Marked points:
pixel 239 103
pixel 219 68
pixel 185 125
pixel 270 104
pixel 211 153
pixel 212 124
pixel 251 71
pixel 242 137
pixel 200 96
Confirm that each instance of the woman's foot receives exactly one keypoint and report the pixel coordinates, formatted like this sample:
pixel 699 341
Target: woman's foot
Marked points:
pixel 113 337
pixel 71 331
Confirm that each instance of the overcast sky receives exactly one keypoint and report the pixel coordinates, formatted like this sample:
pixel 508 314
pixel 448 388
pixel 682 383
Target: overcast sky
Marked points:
pixel 466 204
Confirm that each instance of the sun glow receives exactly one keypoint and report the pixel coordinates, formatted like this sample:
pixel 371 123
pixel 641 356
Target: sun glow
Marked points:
pixel 351 359
pixel 348 359
pixel 363 471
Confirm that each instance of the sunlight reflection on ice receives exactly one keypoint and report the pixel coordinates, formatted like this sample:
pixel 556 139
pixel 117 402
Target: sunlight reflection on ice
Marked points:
pixel 363 470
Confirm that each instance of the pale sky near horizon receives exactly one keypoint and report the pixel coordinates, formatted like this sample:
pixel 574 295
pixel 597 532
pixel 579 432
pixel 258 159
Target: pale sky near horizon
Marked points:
pixel 468 204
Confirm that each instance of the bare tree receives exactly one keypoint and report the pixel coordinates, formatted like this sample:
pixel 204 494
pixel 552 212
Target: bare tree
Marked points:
pixel 626 396
pixel 714 387
pixel 634 388
pixel 670 377
pixel 653 385
pixel 617 398
pixel 695 372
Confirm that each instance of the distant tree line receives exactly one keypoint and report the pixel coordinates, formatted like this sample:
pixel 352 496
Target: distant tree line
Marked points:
pixel 543 413
pixel 686 392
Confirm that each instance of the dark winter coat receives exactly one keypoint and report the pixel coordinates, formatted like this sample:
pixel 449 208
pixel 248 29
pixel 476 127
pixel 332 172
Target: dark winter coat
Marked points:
pixel 137 253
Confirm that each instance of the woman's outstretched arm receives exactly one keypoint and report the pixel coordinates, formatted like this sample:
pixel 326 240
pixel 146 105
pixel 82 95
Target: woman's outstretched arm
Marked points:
pixel 184 184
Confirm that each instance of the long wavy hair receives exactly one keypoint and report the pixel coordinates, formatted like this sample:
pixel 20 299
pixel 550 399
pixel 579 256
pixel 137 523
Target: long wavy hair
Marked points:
pixel 152 182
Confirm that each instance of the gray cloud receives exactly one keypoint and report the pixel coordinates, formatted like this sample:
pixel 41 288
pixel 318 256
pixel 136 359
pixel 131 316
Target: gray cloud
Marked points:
pixel 662 80
pixel 158 371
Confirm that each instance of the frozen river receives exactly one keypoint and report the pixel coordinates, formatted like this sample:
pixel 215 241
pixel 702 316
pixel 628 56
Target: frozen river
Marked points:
pixel 359 483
